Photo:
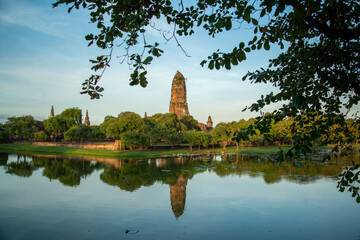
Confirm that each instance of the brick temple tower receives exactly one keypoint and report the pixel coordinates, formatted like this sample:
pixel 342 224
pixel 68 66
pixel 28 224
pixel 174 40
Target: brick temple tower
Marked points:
pixel 178 103
pixel 209 123
pixel 52 111
pixel 87 120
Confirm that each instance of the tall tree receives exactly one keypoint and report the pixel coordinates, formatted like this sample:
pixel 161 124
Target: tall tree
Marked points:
pixel 23 127
pixel 56 126
pixel 125 122
pixel 74 114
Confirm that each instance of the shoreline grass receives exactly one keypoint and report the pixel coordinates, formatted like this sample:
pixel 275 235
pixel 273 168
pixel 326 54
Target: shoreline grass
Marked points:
pixel 127 154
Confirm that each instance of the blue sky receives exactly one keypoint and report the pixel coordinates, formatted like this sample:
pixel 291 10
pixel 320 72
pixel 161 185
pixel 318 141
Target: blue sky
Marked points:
pixel 44 58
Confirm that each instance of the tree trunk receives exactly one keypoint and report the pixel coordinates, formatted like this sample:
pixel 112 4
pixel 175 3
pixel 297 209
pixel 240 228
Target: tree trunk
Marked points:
pixel 190 148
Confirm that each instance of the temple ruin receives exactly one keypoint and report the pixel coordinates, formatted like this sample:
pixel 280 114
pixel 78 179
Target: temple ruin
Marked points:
pixel 52 111
pixel 206 127
pixel 178 103
pixel 87 120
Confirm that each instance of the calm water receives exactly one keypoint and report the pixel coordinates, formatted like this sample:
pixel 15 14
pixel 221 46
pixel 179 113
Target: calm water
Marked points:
pixel 208 197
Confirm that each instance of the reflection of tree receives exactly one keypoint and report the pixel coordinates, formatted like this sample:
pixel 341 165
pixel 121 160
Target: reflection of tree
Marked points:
pixel 3 159
pixel 129 177
pixel 68 172
pixel 295 171
pixel 22 167
pixel 173 171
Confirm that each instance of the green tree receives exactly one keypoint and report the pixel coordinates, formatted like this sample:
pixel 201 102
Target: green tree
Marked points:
pixel 190 137
pixel 190 122
pixel 221 133
pixel 95 133
pixel 4 135
pixel 23 127
pixel 78 132
pixel 133 139
pixel 169 121
pixel 125 122
pixel 56 126
pixel 195 138
pixel 73 114
pixel 41 136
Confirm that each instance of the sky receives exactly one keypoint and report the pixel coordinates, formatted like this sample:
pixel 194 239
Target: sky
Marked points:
pixel 44 59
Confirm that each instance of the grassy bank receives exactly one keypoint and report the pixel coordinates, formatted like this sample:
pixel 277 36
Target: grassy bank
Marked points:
pixel 67 151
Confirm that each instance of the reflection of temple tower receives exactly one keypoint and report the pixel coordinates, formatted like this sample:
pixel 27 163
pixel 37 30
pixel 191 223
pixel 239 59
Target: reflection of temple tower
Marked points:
pixel 52 111
pixel 178 103
pixel 87 120
pixel 178 196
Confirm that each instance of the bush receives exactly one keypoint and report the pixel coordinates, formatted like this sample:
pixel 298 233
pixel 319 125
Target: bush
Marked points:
pixel 96 133
pixel 41 137
pixel 134 139
pixel 78 132
pixel 82 132
pixel 4 136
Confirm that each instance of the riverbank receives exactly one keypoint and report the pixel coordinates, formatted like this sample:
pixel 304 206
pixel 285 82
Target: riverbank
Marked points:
pixel 56 150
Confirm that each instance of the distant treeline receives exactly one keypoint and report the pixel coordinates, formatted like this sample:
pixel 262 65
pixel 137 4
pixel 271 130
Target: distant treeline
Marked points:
pixel 136 132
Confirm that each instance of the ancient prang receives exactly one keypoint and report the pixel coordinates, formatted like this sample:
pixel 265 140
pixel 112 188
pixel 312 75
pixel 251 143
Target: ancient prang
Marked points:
pixel 52 111
pixel 209 123
pixel 206 127
pixel 178 103
pixel 87 120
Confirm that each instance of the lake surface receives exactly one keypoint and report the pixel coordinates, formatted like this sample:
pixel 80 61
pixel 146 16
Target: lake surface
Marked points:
pixel 194 197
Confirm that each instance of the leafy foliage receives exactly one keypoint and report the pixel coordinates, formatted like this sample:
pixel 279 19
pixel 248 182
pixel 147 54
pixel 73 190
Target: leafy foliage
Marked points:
pixel 23 127
pixel 56 126
pixel 73 114
pixel 133 139
pixel 41 136
pixel 196 138
pixel 126 121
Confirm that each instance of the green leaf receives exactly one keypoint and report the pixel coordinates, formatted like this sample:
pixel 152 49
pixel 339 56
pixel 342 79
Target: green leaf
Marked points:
pixel 211 65
pixel 228 24
pixel 267 46
pixel 263 12
pixel 148 60
pixel 89 37
pixel 234 60
pixel 227 63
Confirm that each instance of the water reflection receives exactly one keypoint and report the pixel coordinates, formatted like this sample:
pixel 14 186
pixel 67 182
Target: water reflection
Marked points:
pixel 130 175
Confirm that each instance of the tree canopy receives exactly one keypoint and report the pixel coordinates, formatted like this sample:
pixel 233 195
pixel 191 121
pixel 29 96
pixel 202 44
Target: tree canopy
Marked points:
pixel 125 122
pixel 23 127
